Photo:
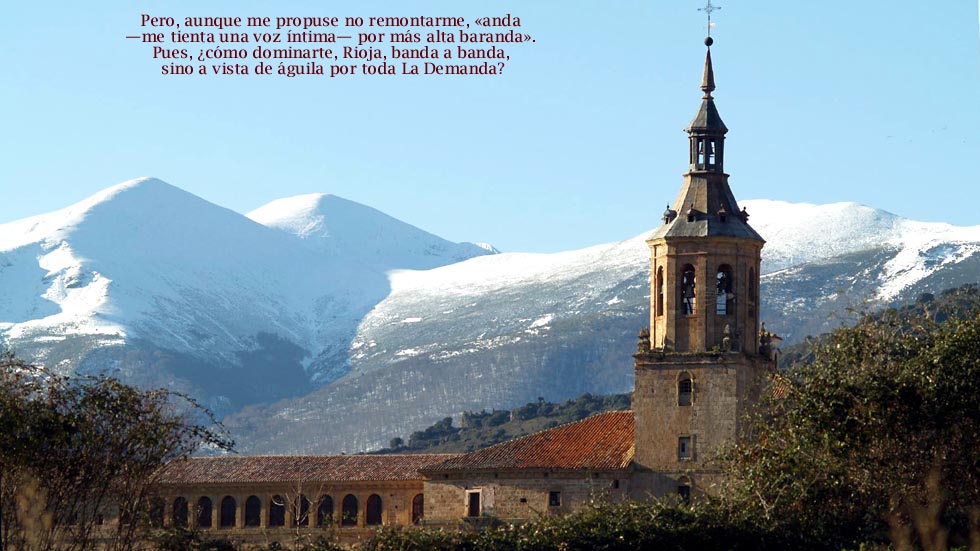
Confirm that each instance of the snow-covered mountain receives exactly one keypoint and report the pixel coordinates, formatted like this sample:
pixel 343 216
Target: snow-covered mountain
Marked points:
pixel 144 270
pixel 364 327
pixel 502 330
pixel 361 235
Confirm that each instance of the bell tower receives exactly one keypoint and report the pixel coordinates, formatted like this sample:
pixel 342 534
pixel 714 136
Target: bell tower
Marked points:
pixel 699 366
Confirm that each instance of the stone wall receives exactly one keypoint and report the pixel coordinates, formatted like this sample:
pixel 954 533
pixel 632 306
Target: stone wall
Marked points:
pixel 520 495
pixel 724 387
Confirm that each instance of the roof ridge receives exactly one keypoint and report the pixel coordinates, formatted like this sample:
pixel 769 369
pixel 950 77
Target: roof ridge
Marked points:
pixel 611 425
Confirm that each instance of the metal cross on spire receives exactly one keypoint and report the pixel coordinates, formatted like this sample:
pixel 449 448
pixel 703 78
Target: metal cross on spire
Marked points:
pixel 708 9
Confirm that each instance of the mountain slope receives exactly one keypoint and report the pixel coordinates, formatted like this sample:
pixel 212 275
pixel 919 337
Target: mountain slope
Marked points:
pixel 144 271
pixel 361 234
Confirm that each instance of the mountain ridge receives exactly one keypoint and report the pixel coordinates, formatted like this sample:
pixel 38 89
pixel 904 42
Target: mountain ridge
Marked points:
pixel 335 326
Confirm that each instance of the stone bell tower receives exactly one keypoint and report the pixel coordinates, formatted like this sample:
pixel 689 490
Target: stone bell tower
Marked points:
pixel 700 365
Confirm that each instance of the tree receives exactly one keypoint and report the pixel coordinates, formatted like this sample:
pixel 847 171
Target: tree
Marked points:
pixel 882 426
pixel 74 450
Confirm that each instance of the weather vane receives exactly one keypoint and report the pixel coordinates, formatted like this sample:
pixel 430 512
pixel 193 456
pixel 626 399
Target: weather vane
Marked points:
pixel 708 9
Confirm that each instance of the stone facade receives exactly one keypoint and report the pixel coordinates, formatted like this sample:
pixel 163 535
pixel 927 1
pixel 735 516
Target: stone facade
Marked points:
pixel 723 387
pixel 395 497
pixel 265 498
pixel 518 495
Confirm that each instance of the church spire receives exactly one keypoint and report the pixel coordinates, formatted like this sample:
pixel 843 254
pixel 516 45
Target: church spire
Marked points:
pixel 707 130
pixel 708 80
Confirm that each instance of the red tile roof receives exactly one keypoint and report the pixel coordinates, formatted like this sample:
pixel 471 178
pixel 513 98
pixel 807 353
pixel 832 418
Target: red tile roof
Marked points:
pixel 600 442
pixel 298 468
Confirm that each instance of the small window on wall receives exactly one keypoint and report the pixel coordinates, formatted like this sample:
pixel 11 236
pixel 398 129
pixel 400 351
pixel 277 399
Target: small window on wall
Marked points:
pixel 374 510
pixel 685 390
pixel 554 499
pixel 684 489
pixel 473 503
pixel 418 508
pixel 684 450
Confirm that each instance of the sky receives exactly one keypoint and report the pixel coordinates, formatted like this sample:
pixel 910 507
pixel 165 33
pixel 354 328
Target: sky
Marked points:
pixel 578 142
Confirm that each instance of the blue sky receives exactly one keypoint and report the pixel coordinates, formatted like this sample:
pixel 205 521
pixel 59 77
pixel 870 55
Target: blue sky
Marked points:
pixel 579 141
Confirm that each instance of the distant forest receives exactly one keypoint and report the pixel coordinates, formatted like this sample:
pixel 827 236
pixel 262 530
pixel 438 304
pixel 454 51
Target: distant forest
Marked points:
pixel 486 428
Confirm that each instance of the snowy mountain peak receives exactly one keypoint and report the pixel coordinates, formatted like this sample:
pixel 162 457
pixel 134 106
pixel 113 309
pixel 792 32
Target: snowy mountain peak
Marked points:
pixel 801 232
pixel 798 233
pixel 342 227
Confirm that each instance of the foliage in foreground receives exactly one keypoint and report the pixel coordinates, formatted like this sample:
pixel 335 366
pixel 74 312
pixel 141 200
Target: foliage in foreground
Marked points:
pixel 878 438
pixel 181 539
pixel 628 526
pixel 76 449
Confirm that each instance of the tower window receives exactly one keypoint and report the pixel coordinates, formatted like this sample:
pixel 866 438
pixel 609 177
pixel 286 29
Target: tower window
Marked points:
pixel 688 294
pixel 725 299
pixel 685 390
pixel 660 291
pixel 684 448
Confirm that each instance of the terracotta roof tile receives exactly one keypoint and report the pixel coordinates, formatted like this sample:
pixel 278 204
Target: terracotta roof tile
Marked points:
pixel 298 468
pixel 603 441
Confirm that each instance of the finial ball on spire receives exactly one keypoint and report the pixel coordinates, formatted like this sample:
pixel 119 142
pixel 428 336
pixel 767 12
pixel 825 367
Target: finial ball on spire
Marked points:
pixel 709 41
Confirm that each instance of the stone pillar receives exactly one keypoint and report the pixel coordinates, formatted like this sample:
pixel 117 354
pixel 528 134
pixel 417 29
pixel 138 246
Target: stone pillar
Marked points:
pixel 290 506
pixel 362 510
pixel 264 506
pixel 168 511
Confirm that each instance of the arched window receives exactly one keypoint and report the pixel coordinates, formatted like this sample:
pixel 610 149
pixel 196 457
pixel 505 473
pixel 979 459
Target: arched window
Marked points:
pixel 253 512
pixel 155 509
pixel 302 517
pixel 373 510
pixel 348 514
pixel 204 512
pixel 753 285
pixel 684 489
pixel 277 511
pixel 725 300
pixel 418 508
pixel 180 512
pixel 688 291
pixel 685 389
pixel 660 291
pixel 228 507
pixel 324 512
